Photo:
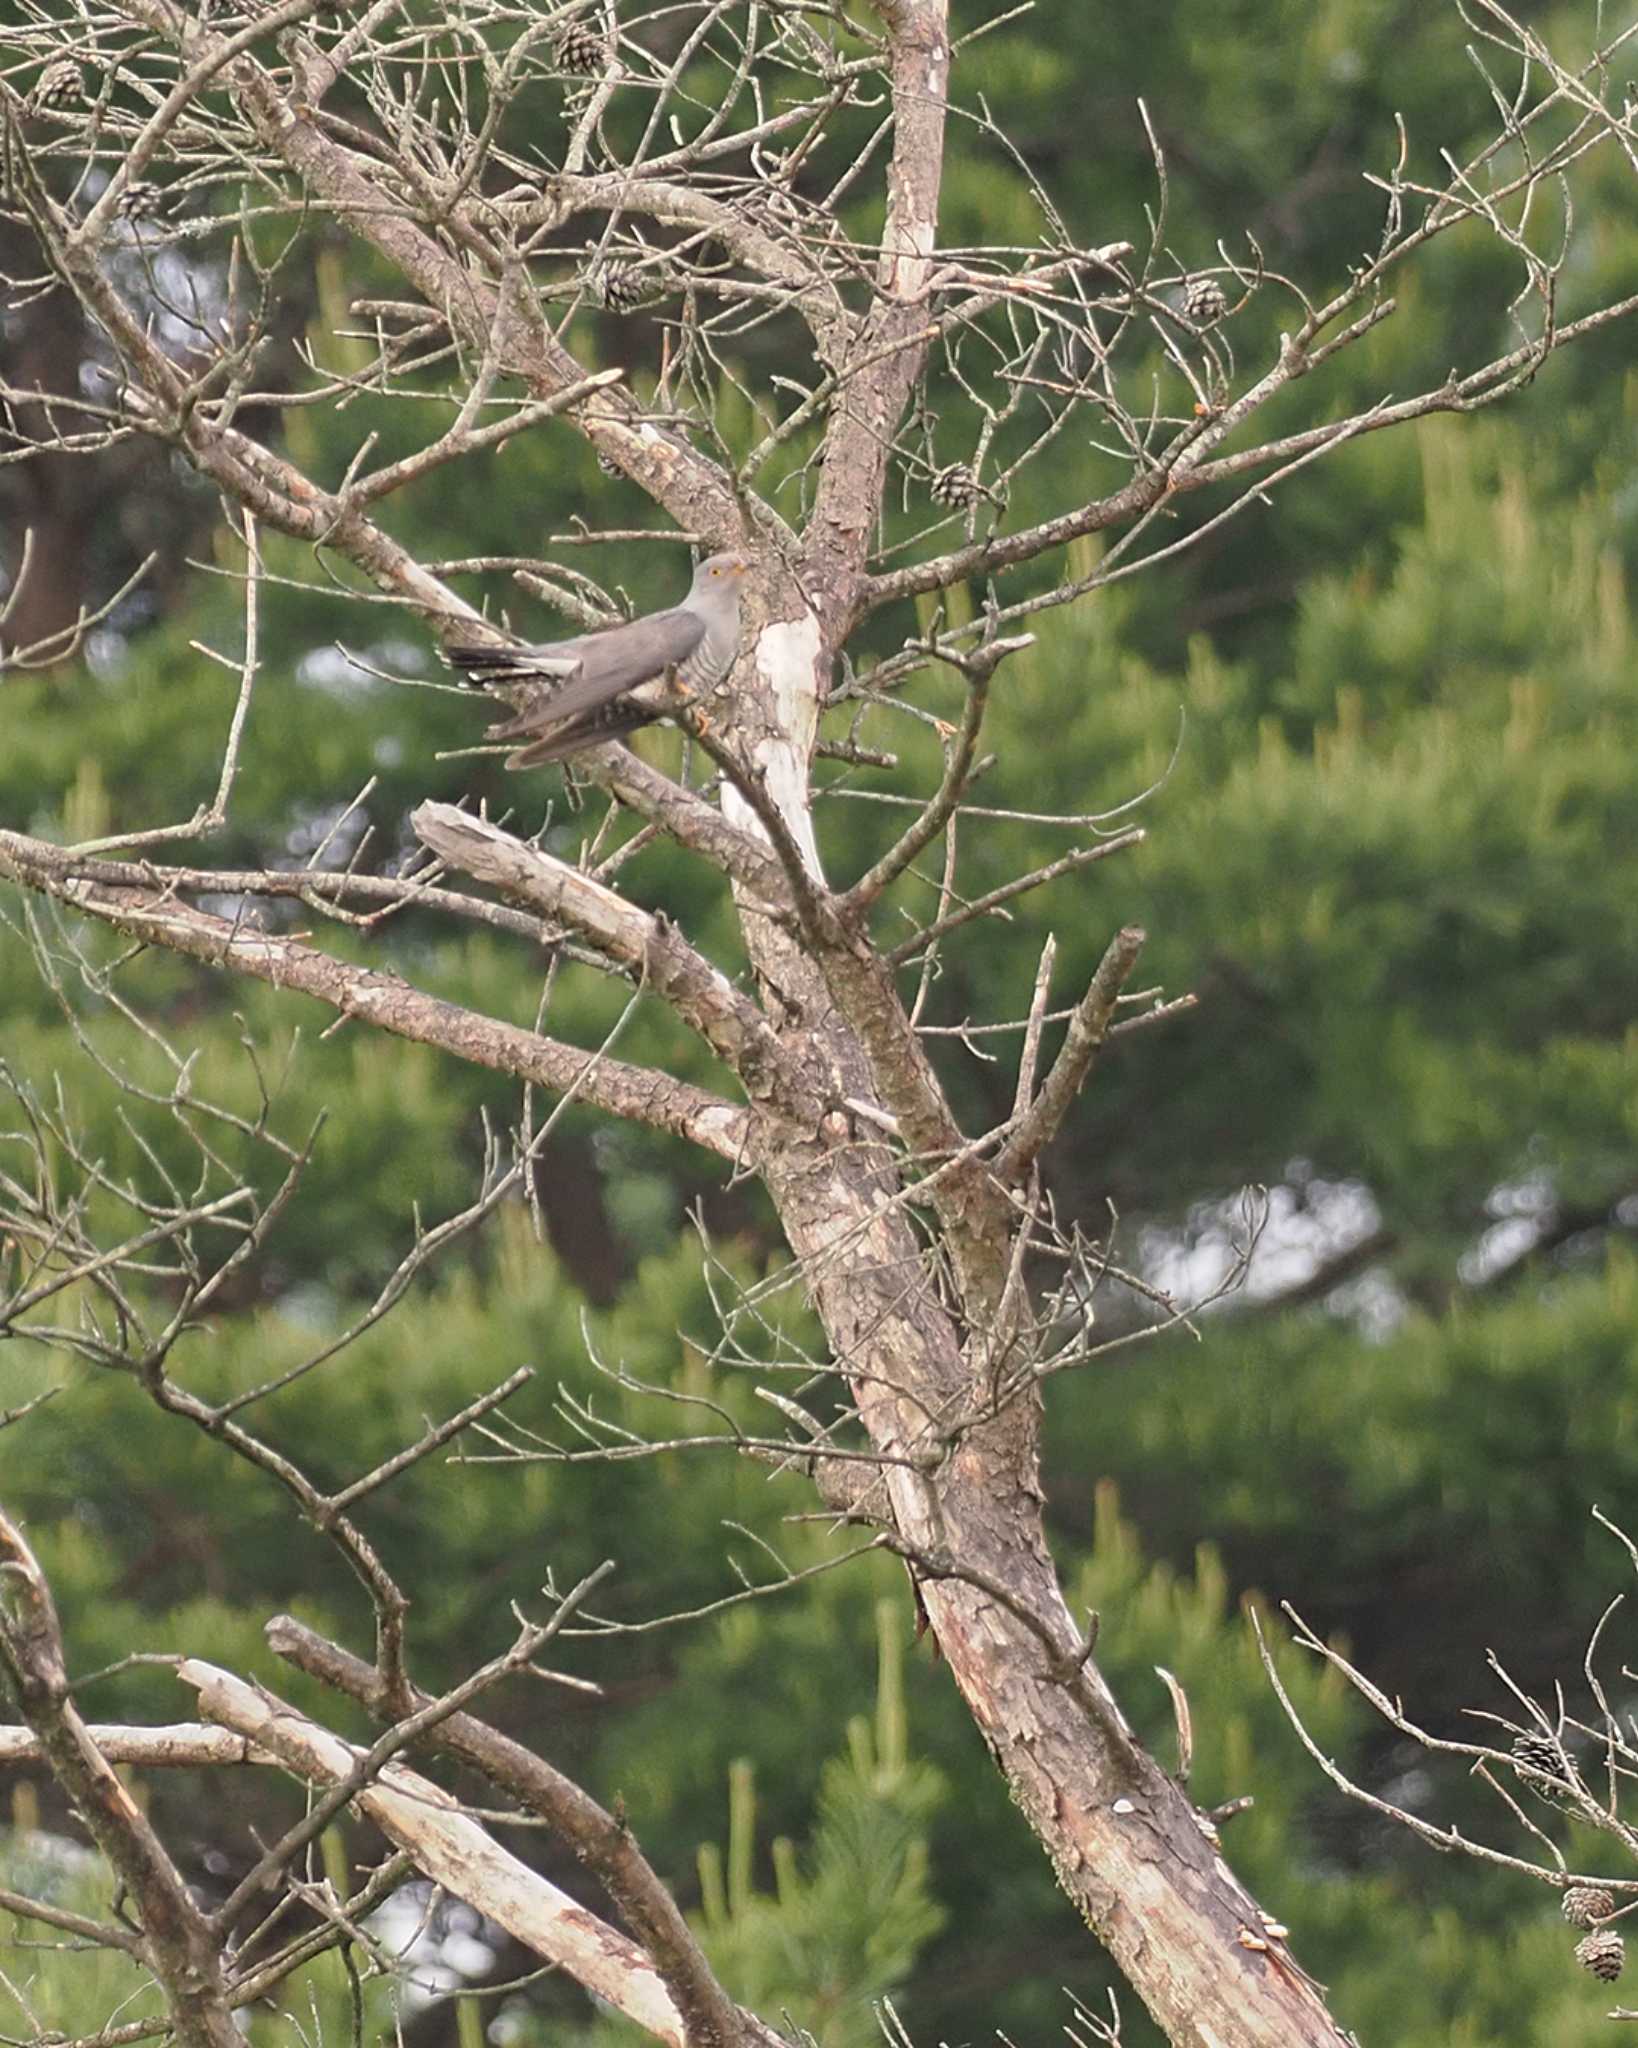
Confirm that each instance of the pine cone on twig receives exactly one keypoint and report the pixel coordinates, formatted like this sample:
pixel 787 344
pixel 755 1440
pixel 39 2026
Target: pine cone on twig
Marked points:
pixel 59 85
pixel 581 46
pixel 141 200
pixel 1542 1754
pixel 1603 1953
pixel 622 287
pixel 1204 301
pixel 955 487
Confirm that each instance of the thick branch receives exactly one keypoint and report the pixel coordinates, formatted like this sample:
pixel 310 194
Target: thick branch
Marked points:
pixel 1129 1849
pixel 318 888
pixel 454 1852
pixel 385 1000
pixel 1186 468
pixel 896 336
pixel 183 1745
pixel 693 489
pixel 647 945
pixel 603 1844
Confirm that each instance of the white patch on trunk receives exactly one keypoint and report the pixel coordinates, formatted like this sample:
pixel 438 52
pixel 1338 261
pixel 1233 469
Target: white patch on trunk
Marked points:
pixel 787 657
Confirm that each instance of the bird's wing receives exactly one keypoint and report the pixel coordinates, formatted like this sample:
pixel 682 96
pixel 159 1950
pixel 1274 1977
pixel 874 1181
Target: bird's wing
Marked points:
pixel 611 722
pixel 610 664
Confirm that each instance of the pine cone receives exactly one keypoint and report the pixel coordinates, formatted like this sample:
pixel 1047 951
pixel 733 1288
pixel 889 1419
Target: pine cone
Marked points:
pixel 1583 1904
pixel 955 487
pixel 141 200
pixel 582 47
pixel 622 287
pixel 1604 1953
pixel 1543 1754
pixel 1204 301
pixel 61 84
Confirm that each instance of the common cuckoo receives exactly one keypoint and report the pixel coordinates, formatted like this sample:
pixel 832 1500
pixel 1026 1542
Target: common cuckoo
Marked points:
pixel 586 682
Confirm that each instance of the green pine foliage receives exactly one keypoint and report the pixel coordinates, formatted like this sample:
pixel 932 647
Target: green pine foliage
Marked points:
pixel 845 1921
pixel 50 1981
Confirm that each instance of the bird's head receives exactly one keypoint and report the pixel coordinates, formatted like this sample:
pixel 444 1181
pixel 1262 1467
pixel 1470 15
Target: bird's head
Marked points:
pixel 722 572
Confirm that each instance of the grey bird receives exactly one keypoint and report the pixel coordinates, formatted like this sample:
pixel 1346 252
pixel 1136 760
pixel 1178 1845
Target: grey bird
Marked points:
pixel 586 682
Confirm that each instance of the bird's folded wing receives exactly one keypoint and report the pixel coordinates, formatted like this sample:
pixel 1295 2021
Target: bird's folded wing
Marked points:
pixel 613 662
pixel 538 716
pixel 580 680
pixel 590 729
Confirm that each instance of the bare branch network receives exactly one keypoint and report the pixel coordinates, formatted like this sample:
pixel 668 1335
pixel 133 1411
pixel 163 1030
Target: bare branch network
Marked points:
pixel 1559 1764
pixel 852 407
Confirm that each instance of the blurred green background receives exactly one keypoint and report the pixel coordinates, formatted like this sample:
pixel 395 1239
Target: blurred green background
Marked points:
pixel 1396 856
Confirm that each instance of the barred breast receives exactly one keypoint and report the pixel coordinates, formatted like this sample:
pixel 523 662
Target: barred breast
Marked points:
pixel 710 661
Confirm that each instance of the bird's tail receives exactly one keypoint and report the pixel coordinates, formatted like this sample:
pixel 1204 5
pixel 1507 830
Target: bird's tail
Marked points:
pixel 481 666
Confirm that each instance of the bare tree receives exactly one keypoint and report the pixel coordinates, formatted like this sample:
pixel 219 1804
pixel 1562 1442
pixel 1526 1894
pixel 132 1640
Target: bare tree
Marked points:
pixel 696 165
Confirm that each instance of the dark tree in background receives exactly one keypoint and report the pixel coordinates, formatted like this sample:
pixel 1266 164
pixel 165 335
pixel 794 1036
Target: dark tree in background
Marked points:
pixel 317 319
